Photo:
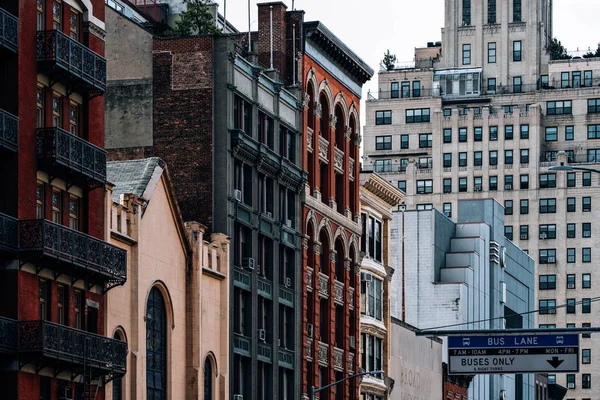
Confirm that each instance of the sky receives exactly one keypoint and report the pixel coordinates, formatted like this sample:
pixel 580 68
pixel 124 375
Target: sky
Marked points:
pixel 369 28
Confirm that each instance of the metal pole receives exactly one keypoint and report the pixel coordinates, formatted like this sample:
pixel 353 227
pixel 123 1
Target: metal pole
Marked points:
pixel 249 34
pixel 312 392
pixel 271 28
pixel 293 52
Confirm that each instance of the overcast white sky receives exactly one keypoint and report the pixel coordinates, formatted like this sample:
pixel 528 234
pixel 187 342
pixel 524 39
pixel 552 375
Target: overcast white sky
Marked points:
pixel 371 27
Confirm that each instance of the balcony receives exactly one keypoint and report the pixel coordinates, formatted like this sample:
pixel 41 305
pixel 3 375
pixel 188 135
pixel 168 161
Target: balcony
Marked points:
pixel 323 285
pixel 65 60
pixel 338 160
pixel 66 250
pixel 265 352
pixel 351 362
pixel 65 155
pixel 9 31
pixel 241 345
pixel 49 344
pixel 309 348
pixel 323 354
pixel 351 302
pixel 286 296
pixel 8 234
pixel 242 279
pixel 338 292
pixel 9 131
pixel 323 150
pixel 309 278
pixel 338 359
pixel 265 289
pixel 286 358
pixel 8 335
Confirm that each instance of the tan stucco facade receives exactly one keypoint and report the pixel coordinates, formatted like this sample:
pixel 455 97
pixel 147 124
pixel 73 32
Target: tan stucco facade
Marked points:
pixel 191 275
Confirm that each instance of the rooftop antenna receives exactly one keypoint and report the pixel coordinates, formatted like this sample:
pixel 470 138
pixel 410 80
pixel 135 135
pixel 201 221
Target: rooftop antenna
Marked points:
pixel 224 16
pixel 249 35
pixel 293 54
pixel 292 5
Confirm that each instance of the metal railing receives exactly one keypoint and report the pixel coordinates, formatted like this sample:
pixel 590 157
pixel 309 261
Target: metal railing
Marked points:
pixel 323 285
pixel 72 56
pixel 9 30
pixel 9 131
pixel 8 233
pixel 69 246
pixel 58 146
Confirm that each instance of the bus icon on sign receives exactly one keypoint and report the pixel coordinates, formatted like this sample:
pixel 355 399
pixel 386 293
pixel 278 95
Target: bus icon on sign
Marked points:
pixel 466 342
pixel 560 340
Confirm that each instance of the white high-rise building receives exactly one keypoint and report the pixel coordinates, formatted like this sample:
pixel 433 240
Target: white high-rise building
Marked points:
pixel 485 114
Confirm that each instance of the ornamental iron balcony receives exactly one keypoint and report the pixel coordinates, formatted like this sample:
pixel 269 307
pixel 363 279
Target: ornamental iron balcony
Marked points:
pixel 65 155
pixel 350 362
pixel 323 354
pixel 8 335
pixel 8 234
pixel 9 30
pixel 338 359
pixel 9 131
pixel 64 59
pixel 323 285
pixel 309 278
pixel 66 250
pixel 60 346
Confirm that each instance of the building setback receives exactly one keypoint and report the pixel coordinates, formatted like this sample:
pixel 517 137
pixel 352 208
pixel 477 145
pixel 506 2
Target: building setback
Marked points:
pixel 486 118
pixel 466 275
pixel 56 265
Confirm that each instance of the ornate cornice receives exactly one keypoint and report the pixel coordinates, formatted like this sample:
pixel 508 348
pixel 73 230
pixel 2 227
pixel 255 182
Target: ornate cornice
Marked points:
pixel 94 29
pixel 383 190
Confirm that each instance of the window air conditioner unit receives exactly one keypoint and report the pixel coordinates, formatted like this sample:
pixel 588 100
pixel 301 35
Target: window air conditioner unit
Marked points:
pixel 262 335
pixel 366 277
pixel 288 223
pixel 269 214
pixel 523 237
pixel 570 385
pixel 478 188
pixel 238 397
pixel 570 286
pixel 551 260
pixel 508 187
pixel 248 263
pixel 288 282
pixel 309 330
pixel 237 194
pixel 543 236
pixel 67 394
pixel 353 342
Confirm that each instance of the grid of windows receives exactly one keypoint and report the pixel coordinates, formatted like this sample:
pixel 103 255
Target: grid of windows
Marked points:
pixel 416 115
pixel 559 107
pixel 547 282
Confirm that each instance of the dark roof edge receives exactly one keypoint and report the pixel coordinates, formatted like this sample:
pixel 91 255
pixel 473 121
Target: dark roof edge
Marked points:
pixel 403 324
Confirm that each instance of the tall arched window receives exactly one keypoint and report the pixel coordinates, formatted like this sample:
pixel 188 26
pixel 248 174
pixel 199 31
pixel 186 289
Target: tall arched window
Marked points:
pixel 156 347
pixel 117 383
pixel 208 380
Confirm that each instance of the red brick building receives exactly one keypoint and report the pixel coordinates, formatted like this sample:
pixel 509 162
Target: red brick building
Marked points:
pixel 55 265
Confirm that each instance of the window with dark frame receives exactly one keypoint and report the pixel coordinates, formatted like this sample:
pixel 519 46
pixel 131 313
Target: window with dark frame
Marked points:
pixel 466 12
pixel 517 46
pixel 383 117
pixel 383 142
pixel 508 207
pixel 404 141
pixel 547 282
pixel 447 135
pixel 466 54
pixel 491 12
pixel 524 207
pixel 394 90
pixel 517 10
pixel 491 52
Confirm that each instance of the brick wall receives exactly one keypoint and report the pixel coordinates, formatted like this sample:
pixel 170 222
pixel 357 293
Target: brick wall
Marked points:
pixel 279 36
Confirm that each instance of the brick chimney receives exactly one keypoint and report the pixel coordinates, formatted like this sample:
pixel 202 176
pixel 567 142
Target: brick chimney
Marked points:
pixel 279 36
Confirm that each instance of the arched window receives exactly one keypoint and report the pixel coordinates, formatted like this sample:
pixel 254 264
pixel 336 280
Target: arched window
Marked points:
pixel 208 380
pixel 117 383
pixel 156 347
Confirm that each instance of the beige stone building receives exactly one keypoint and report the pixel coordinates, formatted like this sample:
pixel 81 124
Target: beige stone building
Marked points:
pixel 173 311
pixel 378 198
pixel 487 119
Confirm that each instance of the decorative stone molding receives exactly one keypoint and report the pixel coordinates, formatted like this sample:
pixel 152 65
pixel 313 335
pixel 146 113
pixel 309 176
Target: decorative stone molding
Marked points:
pixel 356 268
pixel 351 362
pixel 317 248
pixel 338 292
pixel 466 31
pixel 309 278
pixel 515 27
pixel 332 204
pixel 323 354
pixel 318 110
pixel 338 359
pixel 338 160
pixel 348 132
pixel 348 264
pixel 305 100
pixel 90 27
pixel 323 150
pixel 332 121
pixel 358 139
pixel 332 255
pixel 323 284
pixel 305 241
pixel 309 140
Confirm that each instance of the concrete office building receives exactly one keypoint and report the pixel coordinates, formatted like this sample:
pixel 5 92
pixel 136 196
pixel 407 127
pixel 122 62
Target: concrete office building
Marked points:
pixel 466 273
pixel 483 115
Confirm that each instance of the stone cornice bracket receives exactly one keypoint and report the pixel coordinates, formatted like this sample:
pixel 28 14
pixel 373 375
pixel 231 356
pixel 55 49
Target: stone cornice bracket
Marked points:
pixel 332 121
pixel 305 100
pixel 348 132
pixel 356 268
pixel 318 110
pixel 231 56
pixel 90 27
pixel 358 139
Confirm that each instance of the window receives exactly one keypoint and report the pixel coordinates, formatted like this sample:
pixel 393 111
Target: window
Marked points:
pixel 547 256
pixel 477 158
pixel 73 212
pixel 462 159
pixel 571 381
pixel 403 164
pixel 402 186
pixel 524 131
pixel 571 257
pixel 424 207
pixel 74 24
pixel 517 50
pixel 586 325
pixel 491 12
pixel 571 179
pixel 56 15
pixel 547 307
pixel 40 15
pixel 466 54
pixel 156 346
pixel 56 111
pixel 493 183
pixel 570 306
pixel 242 111
pixel 447 112
pixel 564 79
pixel 78 308
pixel 524 156
pixel 576 79
pixel 593 155
pixel 61 296
pixel 544 80
pixel 405 92
pixel 586 381
pixel 39 117
pixel 571 231
pixel 547 282
pixel 570 132
pixel 462 135
pixel 447 135
pixel 524 232
pixel 587 179
pixel 593 131
pixel 383 117
pixel 493 157
pixel 508 232
pixel 586 204
pixel 570 281
pixel 547 326
pixel 404 144
pixel 425 140
pixel 425 163
pixel 586 229
pixel 466 12
pixel 384 142
pixel 547 206
pixel 586 305
pixel 416 88
pixel 508 182
pixel 508 132
pixel 548 231
pixel 39 200
pixel 508 207
pixel 552 377
pixel 491 53
pixel 462 184
pixel 524 205
pixel 586 281
pixel 586 255
pixel 524 181
pixel 517 84
pixel 571 207
pixel 74 118
pixel 394 90
pixel 447 185
pixel 547 180
pixel 559 107
pixel 586 356
pixel 508 157
pixel 593 106
pixel 44 297
pixel 477 183
pixel 383 165
pixel 371 352
pixel 493 133
pixel 517 11
pixel 56 206
pixel 551 134
pixel 416 115
pixel 447 209
pixel 447 160
pixel 491 85
pixel 478 134
pixel 208 380
pixel 424 186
